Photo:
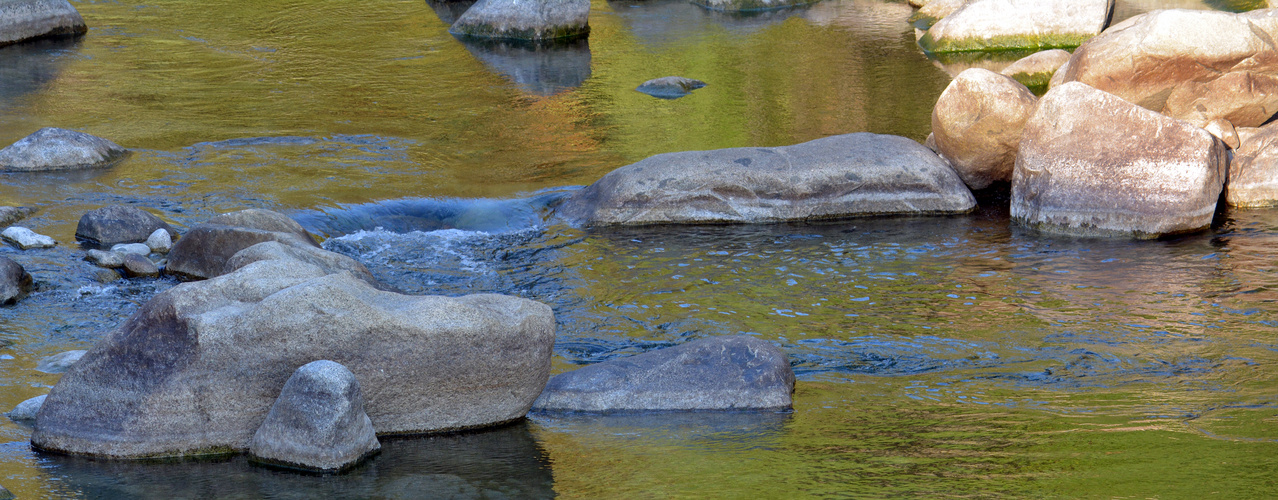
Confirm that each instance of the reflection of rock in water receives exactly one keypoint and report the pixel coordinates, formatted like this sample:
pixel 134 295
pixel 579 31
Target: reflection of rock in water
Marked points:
pixel 505 462
pixel 26 67
pixel 449 10
pixel 955 63
pixel 662 22
pixel 692 428
pixel 539 68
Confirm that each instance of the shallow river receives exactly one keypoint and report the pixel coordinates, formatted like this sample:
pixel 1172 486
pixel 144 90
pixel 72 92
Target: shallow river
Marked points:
pixel 937 357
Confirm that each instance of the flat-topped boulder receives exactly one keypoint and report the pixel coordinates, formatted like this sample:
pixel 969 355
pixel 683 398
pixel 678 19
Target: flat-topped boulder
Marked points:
pixel 1036 70
pixel 984 25
pixel 1189 64
pixel 59 149
pixel 197 369
pixel 977 124
pixel 531 20
pixel 1091 163
pixel 717 373
pixel 318 422
pixel 1253 173
pixel 841 176
pixel 22 20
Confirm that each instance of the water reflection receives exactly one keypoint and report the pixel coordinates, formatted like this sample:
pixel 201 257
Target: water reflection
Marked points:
pixel 449 10
pixel 658 23
pixel 544 68
pixel 28 67
pixel 501 463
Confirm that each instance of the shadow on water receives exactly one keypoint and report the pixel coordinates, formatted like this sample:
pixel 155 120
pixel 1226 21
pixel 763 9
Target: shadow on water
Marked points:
pixel 506 462
pixel 449 10
pixel 545 68
pixel 28 67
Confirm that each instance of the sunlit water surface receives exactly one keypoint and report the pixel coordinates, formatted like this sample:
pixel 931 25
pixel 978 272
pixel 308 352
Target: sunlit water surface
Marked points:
pixel 937 357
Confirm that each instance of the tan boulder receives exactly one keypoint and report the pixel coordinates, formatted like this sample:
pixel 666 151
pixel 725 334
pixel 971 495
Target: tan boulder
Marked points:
pixel 977 125
pixel 1253 175
pixel 1225 131
pixel 1017 24
pixel 1091 163
pixel 1244 97
pixel 1035 70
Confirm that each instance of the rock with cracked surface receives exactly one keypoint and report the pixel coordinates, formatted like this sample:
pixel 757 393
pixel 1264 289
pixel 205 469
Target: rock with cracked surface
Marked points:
pixel 59 149
pixel 977 124
pixel 717 373
pixel 981 25
pixel 22 20
pixel 531 20
pixel 317 423
pixel 841 176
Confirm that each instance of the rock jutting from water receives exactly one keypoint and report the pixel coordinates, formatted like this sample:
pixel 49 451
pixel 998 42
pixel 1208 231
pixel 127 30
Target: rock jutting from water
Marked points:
pixel 1191 65
pixel 717 373
pixel 60 362
pixel 204 249
pixel 26 411
pixel 531 20
pixel 670 87
pixel 59 149
pixel 841 176
pixel 750 5
pixel 160 241
pixel 115 224
pixel 15 282
pixel 977 124
pixel 1092 163
pixel 138 266
pixel 1253 173
pixel 197 368
pixel 27 239
pixel 1036 70
pixel 22 20
pixel 317 423
pixel 981 25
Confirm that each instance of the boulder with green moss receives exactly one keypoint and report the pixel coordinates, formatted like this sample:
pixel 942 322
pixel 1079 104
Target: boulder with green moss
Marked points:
pixel 1036 70
pixel 984 25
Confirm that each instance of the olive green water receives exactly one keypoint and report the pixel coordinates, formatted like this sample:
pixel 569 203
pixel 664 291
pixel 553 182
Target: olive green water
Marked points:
pixel 937 357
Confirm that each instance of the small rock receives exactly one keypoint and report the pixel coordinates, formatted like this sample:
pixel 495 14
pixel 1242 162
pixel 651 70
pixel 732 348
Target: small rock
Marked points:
pixel 27 239
pixel 1225 131
pixel 26 411
pixel 133 248
pixel 977 124
pixel 59 149
pixel 540 20
pixel 22 20
pixel 1036 70
pixel 15 283
pixel 59 363
pixel 318 421
pixel 114 224
pixel 981 25
pixel 670 87
pixel 718 373
pixel 138 266
pixel 160 241
pixel 103 258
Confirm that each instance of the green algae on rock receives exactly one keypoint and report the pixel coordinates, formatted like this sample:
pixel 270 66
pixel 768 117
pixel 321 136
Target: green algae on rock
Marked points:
pixel 983 25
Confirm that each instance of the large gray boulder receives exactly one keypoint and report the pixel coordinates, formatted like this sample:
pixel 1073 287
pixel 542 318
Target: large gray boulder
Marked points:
pixel 981 25
pixel 115 224
pixel 977 124
pixel 203 251
pixel 15 282
pixel 1192 65
pixel 317 423
pixel 59 149
pixel 1091 163
pixel 197 368
pixel 1253 173
pixel 841 176
pixel 718 373
pixel 22 20
pixel 532 20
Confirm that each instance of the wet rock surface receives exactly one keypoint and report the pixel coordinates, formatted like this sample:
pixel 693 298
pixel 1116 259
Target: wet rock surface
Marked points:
pixel 115 224
pixel 59 363
pixel 718 373
pixel 15 282
pixel 22 20
pixel 59 149
pixel 27 239
pixel 840 176
pixel 541 20
pixel 1017 24
pixel 1091 163
pixel 670 87
pixel 10 215
pixel 977 124
pixel 318 422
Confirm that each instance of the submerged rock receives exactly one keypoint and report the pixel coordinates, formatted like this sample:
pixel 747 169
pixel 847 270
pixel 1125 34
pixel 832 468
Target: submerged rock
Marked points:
pixel 114 224
pixel 26 411
pixel 1036 70
pixel 670 87
pixel 1091 163
pixel 317 423
pixel 59 363
pixel 1253 174
pixel 203 251
pixel 27 239
pixel 22 20
pixel 750 5
pixel 981 25
pixel 198 367
pixel 10 215
pixel 6 494
pixel 1191 65
pixel 841 176
pixel 533 20
pixel 977 124
pixel 59 149
pixel 718 373
pixel 15 283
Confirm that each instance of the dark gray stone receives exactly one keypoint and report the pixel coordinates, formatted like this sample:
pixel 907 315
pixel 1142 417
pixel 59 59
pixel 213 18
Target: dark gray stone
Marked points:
pixel 197 368
pixel 534 20
pixel 15 283
pixel 115 224
pixel 60 362
pixel 26 411
pixel 835 177
pixel 718 373
pixel 203 251
pixel 318 422
pixel 59 149
pixel 22 20
pixel 670 87
pixel 138 266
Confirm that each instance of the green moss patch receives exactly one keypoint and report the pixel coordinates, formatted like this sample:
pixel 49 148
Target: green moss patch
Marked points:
pixel 489 31
pixel 1002 43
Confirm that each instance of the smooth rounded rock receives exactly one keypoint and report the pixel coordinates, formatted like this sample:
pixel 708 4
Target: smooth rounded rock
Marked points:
pixel 138 266
pixel 26 411
pixel 27 239
pixel 160 241
pixel 59 149
pixel 58 363
pixel 105 258
pixel 1253 173
pixel 317 423
pixel 1036 70
pixel 330 262
pixel 22 20
pixel 132 248
pixel 717 373
pixel 114 224
pixel 15 282
pixel 841 176
pixel 977 124
pixel 670 87
pixel 203 251
pixel 1091 163
pixel 532 20
pixel 981 25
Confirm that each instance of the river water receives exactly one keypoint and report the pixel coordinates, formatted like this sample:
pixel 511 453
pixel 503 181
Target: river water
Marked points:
pixel 937 357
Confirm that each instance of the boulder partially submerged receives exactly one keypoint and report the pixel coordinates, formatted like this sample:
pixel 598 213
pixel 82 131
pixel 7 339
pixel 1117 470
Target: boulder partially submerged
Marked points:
pixel 718 373
pixel 1091 163
pixel 22 20
pixel 841 176
pixel 203 251
pixel 670 87
pixel 983 25
pixel 26 411
pixel 318 422
pixel 977 124
pixel 115 224
pixel 531 20
pixel 27 239
pixel 59 362
pixel 59 149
